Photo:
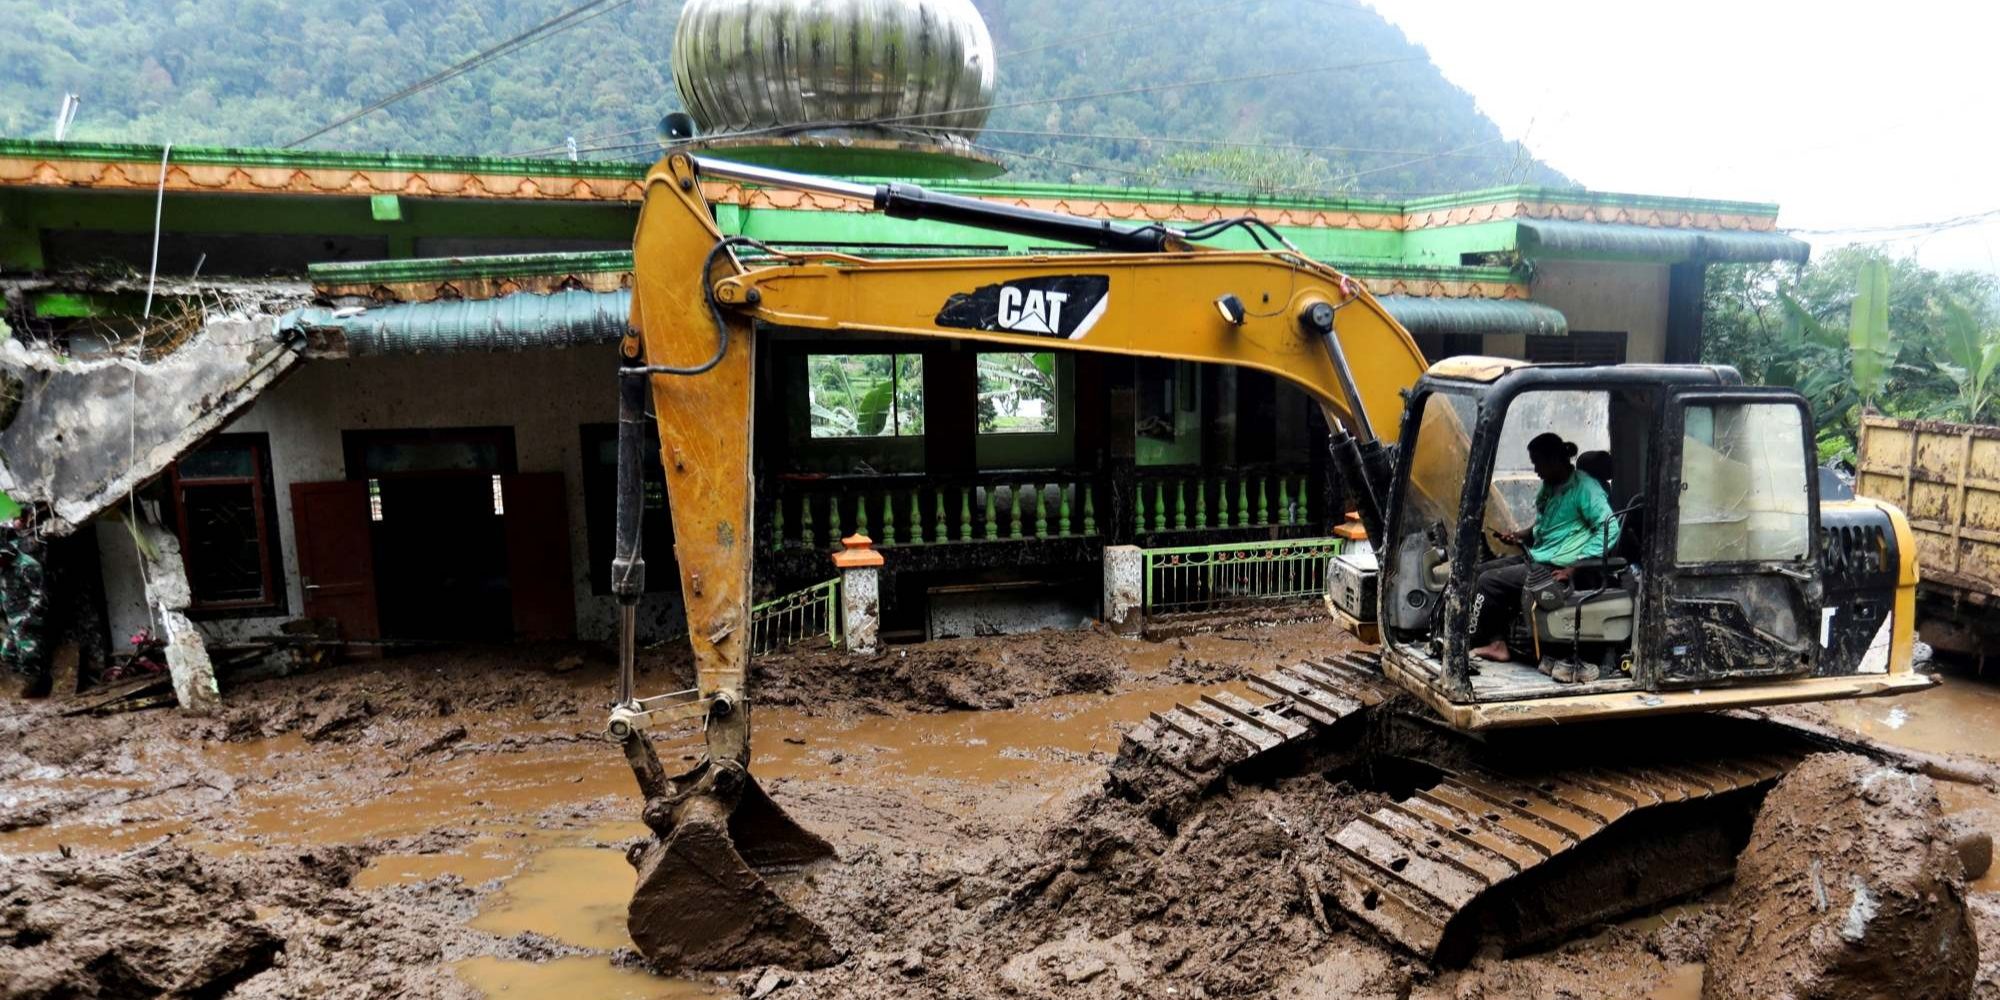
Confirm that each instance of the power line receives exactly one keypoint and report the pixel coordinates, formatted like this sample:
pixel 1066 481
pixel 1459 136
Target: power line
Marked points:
pixel 1239 143
pixel 560 146
pixel 1121 30
pixel 1914 228
pixel 1034 102
pixel 1156 176
pixel 1007 53
pixel 587 11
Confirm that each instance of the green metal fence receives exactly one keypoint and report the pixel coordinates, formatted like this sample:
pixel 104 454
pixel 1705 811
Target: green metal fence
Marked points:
pixel 1204 501
pixel 788 619
pixel 1203 577
pixel 896 511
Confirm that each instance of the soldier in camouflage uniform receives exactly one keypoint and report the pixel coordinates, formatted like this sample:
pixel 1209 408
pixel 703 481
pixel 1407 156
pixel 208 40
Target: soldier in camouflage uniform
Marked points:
pixel 23 598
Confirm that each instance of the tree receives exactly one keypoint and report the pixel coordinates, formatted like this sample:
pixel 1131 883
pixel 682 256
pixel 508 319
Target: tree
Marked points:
pixel 1263 171
pixel 1972 343
pixel 1781 325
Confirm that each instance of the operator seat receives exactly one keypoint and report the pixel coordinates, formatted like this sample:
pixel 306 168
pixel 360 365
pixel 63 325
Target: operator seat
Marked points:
pixel 1594 611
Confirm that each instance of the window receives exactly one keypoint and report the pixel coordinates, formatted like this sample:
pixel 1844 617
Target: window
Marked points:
pixel 1580 417
pixel 1168 412
pixel 1017 393
pixel 1583 347
pixel 226 516
pixel 865 395
pixel 600 509
pixel 1743 484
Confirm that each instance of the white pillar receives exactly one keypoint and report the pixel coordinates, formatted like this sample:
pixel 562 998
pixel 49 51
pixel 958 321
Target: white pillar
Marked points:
pixel 1125 588
pixel 168 592
pixel 860 593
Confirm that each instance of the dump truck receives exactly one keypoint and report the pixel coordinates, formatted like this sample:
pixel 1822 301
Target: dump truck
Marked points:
pixel 1733 583
pixel 1946 477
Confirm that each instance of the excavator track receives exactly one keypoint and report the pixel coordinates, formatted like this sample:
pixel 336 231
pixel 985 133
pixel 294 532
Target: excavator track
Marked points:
pixel 1432 871
pixel 1475 853
pixel 1222 730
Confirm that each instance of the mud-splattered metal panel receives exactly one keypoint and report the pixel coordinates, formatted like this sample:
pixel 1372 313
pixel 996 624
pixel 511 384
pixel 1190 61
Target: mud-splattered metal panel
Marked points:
pixel 1946 478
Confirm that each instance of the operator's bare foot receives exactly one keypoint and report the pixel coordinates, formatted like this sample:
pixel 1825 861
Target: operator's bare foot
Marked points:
pixel 1495 651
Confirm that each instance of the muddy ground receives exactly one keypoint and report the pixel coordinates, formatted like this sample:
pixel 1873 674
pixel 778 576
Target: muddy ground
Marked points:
pixel 450 825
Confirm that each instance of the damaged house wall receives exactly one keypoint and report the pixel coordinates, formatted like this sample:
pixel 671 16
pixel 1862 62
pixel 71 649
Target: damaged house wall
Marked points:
pixel 89 430
pixel 544 396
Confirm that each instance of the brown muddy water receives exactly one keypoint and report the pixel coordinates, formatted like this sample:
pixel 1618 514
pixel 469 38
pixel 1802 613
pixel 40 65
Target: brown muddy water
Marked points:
pixel 541 841
pixel 540 809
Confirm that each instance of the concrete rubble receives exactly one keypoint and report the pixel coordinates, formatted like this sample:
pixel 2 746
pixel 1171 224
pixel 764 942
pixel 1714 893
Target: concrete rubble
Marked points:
pixel 87 431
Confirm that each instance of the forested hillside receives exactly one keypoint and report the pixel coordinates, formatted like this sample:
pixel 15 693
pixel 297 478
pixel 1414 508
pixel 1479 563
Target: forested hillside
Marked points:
pixel 265 72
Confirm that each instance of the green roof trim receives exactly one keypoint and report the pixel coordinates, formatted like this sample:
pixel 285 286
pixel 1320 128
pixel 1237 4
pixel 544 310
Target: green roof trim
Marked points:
pixel 311 159
pixel 603 169
pixel 1421 315
pixel 1597 241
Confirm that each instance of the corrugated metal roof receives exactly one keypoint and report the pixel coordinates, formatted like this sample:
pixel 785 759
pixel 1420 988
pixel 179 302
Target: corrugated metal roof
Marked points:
pixel 1421 315
pixel 1597 241
pixel 510 323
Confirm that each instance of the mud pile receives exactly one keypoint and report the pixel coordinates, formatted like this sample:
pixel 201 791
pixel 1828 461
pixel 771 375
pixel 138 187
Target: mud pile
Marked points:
pixel 159 921
pixel 1001 672
pixel 1227 901
pixel 1230 902
pixel 1849 888
pixel 163 920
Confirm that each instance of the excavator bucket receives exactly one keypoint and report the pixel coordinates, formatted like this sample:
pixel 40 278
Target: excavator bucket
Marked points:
pixel 702 900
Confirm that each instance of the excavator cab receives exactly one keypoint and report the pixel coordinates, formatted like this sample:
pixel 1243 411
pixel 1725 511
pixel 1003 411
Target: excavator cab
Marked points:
pixel 1711 586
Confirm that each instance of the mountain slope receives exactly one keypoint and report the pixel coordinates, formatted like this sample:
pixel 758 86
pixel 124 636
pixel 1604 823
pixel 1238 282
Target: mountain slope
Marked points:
pixel 264 72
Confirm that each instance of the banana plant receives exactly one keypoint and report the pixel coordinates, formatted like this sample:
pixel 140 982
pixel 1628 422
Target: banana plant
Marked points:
pixel 1972 349
pixel 1871 354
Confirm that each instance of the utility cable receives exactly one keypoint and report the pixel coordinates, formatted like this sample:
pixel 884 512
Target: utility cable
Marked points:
pixel 1121 30
pixel 1038 101
pixel 1233 143
pixel 132 397
pixel 587 11
pixel 1153 88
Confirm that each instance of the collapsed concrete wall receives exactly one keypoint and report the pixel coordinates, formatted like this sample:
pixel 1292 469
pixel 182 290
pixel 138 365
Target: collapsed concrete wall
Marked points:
pixel 88 431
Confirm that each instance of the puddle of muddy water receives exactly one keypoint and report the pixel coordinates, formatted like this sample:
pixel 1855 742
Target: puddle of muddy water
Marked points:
pixel 573 894
pixel 1683 983
pixel 577 976
pixel 478 862
pixel 1962 715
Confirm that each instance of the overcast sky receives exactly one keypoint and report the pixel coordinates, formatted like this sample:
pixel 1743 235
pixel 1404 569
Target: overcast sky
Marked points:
pixel 1847 115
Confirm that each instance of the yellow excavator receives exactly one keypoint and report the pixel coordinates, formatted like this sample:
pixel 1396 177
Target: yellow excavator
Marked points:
pixel 1733 581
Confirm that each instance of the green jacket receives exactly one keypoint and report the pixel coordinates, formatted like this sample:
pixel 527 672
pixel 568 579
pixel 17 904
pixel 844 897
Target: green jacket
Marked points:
pixel 1570 521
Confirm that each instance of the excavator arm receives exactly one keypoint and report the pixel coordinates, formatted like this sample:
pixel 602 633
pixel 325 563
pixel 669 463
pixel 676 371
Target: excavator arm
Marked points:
pixel 695 315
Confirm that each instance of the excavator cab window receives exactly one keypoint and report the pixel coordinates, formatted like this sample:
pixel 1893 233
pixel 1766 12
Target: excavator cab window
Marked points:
pixel 1470 488
pixel 1427 517
pixel 1739 586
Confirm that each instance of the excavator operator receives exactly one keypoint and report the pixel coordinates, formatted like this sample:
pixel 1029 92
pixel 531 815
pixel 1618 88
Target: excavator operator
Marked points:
pixel 1573 522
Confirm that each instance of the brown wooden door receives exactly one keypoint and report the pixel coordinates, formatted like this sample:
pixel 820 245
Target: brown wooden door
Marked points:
pixel 337 555
pixel 538 569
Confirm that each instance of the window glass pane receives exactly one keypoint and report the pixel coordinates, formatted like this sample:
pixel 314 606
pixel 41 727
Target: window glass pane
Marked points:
pixel 1017 393
pixel 224 561
pixel 865 395
pixel 1581 417
pixel 1437 466
pixel 379 457
pixel 1743 484
pixel 223 460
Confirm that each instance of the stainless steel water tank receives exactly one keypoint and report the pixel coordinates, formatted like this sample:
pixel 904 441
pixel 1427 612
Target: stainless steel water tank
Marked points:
pixel 826 65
